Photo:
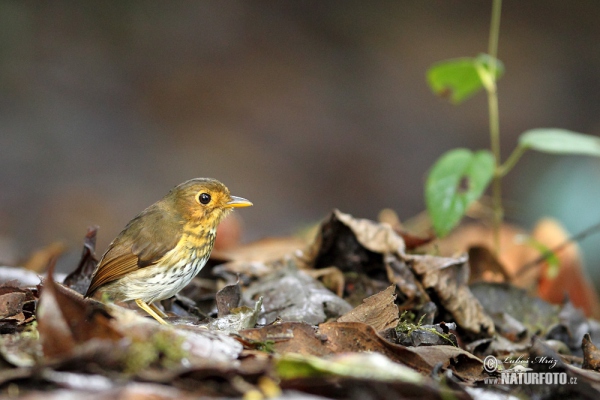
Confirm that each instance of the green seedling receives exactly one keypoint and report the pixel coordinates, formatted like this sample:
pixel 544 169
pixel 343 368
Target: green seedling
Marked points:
pixel 460 176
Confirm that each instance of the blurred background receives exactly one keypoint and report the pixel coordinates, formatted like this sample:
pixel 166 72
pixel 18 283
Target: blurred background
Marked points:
pixel 298 106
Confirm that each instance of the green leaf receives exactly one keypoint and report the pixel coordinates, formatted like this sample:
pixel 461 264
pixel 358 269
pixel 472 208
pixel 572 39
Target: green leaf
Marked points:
pixel 372 366
pixel 457 179
pixel 560 141
pixel 457 79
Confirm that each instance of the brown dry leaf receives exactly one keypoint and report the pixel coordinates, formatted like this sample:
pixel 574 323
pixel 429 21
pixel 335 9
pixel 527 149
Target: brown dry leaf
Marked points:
pixel 390 217
pixel 55 335
pixel 413 242
pixel 378 238
pixel 333 338
pixel 288 337
pixel 366 247
pixel 463 363
pixel 79 280
pixel 357 337
pixel 379 311
pixel 11 303
pixel 449 277
pixel 399 273
pixel 591 354
pixel 485 266
pixel 227 298
pixel 65 319
pixel 17 306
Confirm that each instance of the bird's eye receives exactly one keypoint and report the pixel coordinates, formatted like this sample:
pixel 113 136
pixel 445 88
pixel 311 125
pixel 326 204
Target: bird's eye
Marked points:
pixel 204 198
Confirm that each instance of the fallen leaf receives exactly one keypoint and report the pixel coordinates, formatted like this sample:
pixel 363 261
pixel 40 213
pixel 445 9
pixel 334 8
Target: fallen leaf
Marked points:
pixel 461 362
pixel 390 217
pixel 572 326
pixel 360 286
pixel 11 304
pixel 357 365
pixel 65 319
pixel 339 245
pixel 287 337
pixel 412 292
pixel 378 238
pixel 448 277
pixel 591 354
pixel 484 266
pixel 239 318
pixel 292 295
pixel 499 299
pixel 542 359
pixel 332 338
pixel 80 279
pixel 17 307
pixel 227 298
pixel 379 311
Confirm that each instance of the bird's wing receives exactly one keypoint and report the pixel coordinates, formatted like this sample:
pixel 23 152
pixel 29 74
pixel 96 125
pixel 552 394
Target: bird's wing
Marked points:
pixel 143 242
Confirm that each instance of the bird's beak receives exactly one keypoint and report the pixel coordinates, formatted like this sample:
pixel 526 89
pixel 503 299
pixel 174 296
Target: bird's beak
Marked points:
pixel 237 202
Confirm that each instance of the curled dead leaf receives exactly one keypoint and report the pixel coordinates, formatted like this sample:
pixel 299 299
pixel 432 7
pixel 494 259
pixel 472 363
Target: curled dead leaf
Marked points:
pixel 449 277
pixel 79 280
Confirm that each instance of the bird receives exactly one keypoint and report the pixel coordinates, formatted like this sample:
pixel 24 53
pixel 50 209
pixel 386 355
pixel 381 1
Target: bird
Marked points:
pixel 160 250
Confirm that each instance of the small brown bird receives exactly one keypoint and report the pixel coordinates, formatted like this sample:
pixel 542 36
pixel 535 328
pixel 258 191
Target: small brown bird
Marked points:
pixel 165 246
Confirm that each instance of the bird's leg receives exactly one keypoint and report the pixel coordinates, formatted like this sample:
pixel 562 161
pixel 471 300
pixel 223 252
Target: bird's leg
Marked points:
pixel 142 304
pixel 157 310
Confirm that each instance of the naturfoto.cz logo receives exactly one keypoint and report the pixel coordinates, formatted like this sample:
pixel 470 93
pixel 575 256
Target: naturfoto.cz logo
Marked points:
pixel 519 375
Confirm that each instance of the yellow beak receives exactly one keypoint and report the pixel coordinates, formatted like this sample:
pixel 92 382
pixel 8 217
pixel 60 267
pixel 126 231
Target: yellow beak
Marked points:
pixel 237 202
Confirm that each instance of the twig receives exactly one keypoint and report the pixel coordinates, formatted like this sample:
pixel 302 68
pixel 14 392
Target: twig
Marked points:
pixel 575 238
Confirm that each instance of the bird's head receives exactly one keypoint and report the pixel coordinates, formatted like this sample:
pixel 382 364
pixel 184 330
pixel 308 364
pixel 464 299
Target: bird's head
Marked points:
pixel 204 200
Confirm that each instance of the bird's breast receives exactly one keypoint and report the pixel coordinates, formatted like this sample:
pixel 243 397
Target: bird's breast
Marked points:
pixel 200 241
pixel 174 271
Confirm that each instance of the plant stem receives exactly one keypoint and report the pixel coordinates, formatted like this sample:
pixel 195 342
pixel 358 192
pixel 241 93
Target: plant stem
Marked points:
pixel 511 161
pixel 494 30
pixel 495 124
